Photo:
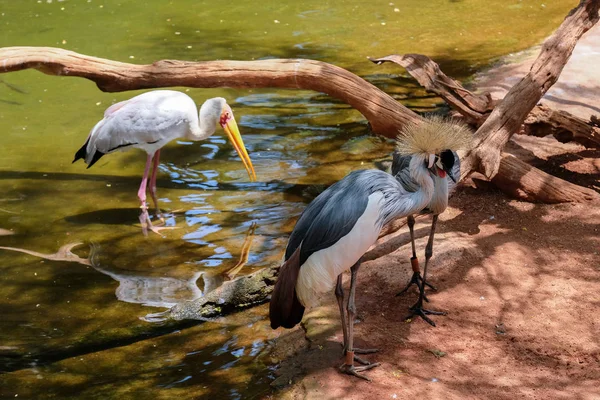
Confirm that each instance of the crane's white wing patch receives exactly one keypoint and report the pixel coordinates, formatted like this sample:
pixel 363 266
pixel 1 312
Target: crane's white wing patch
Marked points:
pixel 319 272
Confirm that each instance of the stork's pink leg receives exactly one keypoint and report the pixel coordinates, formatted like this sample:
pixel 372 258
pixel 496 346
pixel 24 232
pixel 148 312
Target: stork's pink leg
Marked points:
pixel 144 217
pixel 142 190
pixel 153 180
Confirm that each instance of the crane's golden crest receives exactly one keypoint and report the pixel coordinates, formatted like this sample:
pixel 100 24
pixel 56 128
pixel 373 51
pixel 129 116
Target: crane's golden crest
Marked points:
pixel 433 136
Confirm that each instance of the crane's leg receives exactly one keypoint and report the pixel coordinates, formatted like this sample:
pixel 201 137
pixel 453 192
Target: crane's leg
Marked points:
pixel 348 366
pixel 153 180
pixel 417 309
pixel 339 294
pixel 416 278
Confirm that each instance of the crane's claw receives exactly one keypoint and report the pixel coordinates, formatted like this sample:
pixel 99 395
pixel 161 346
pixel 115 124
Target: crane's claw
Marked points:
pixel 418 311
pixel 352 370
pixel 417 279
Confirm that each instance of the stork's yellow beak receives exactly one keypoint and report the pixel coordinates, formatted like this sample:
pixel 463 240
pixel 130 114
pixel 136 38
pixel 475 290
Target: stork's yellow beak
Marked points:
pixel 231 129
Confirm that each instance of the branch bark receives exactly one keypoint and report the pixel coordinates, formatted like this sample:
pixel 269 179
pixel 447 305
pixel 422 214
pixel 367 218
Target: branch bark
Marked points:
pixel 474 108
pixel 565 127
pixel 384 113
pixel 541 121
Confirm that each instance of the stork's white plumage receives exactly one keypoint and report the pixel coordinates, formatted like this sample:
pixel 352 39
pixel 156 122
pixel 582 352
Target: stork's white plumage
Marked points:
pixel 151 120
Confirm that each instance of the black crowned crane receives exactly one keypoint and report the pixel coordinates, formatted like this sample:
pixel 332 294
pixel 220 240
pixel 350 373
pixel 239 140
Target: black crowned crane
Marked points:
pixel 151 120
pixel 448 162
pixel 340 225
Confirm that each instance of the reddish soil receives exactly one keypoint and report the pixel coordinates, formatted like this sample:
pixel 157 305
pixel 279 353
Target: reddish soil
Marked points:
pixel 521 284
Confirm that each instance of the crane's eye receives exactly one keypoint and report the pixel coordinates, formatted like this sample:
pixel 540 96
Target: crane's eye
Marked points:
pixel 448 159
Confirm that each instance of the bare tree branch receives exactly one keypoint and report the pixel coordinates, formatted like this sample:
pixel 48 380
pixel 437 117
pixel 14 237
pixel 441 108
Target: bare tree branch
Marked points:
pixel 384 113
pixel 429 75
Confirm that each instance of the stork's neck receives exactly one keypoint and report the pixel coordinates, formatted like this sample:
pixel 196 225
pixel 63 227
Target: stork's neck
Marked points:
pixel 201 128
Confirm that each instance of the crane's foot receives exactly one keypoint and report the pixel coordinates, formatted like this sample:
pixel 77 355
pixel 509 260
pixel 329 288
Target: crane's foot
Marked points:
pixel 352 370
pixel 361 351
pixel 418 311
pixel 417 279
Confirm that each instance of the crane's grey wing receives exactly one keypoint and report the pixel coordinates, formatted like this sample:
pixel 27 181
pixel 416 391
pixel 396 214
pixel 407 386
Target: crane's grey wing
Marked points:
pixel 401 172
pixel 331 216
pixel 304 222
pixel 455 173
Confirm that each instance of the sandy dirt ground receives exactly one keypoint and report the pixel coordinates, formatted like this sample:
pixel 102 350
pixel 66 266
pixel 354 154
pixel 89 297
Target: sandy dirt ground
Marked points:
pixel 520 283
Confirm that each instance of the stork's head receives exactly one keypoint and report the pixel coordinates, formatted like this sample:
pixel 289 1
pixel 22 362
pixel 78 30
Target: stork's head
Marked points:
pixel 441 164
pixel 217 110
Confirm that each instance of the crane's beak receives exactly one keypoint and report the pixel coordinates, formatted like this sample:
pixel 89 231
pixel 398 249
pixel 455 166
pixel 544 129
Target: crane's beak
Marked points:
pixel 231 129
pixel 451 176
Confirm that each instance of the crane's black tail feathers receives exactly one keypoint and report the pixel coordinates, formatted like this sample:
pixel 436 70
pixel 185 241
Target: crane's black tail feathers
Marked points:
pixel 285 309
pixel 82 153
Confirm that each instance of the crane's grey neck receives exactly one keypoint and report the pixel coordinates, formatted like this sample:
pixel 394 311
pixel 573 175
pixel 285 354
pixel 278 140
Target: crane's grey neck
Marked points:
pixel 208 118
pixel 407 203
pixel 439 200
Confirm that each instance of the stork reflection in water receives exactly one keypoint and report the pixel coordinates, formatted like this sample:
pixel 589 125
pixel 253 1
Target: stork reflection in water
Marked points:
pixel 164 288
pixel 151 120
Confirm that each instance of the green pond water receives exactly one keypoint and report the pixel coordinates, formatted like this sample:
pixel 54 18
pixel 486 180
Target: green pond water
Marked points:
pixel 75 328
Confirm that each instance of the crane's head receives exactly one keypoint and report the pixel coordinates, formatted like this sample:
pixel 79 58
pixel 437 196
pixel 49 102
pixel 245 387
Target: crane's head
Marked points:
pixel 441 164
pixel 435 141
pixel 217 110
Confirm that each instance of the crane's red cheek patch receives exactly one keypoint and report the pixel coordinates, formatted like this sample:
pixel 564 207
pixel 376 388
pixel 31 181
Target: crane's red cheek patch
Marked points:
pixel 441 173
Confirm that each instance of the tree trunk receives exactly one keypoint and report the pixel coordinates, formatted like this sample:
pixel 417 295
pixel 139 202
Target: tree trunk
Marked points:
pixel 541 121
pixel 536 185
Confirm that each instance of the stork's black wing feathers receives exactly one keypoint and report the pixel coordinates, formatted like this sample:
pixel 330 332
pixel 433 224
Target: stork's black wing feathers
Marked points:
pixel 332 215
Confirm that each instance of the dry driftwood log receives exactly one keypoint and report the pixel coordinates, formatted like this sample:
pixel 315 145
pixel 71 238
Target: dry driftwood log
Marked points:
pixel 541 121
pixel 565 127
pixel 509 114
pixel 385 115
